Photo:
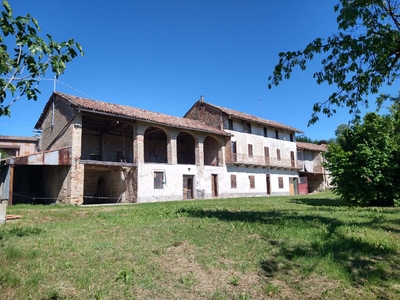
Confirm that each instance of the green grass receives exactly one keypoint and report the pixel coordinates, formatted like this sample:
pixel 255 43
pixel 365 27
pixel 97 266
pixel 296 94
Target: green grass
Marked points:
pixel 296 247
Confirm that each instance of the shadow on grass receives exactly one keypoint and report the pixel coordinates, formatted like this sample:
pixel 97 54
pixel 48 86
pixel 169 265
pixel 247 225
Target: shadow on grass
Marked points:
pixel 359 259
pixel 321 201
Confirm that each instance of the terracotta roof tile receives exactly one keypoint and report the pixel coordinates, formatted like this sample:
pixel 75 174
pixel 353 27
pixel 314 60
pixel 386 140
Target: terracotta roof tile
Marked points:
pixel 136 114
pixel 310 146
pixel 251 118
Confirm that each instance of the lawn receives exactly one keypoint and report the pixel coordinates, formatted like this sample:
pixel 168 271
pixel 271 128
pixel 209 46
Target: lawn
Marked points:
pixel 296 247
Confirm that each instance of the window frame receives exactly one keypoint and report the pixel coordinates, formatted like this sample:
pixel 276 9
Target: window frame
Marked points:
pixel 157 183
pixel 280 182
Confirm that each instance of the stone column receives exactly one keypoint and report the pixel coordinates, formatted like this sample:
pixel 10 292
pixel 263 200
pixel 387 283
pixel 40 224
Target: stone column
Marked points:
pixel 172 151
pixel 77 171
pixel 200 151
pixel 138 143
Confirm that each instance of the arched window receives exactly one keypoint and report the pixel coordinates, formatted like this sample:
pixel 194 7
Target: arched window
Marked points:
pixel 211 149
pixel 185 148
pixel 155 145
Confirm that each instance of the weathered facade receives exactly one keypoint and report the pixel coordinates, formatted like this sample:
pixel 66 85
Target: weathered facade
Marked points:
pixel 261 155
pixel 18 145
pixel 312 171
pixel 96 152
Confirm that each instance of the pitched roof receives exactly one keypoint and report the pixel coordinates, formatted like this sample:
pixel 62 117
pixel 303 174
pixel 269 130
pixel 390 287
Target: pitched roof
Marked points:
pixel 131 113
pixel 18 138
pixel 251 118
pixel 310 146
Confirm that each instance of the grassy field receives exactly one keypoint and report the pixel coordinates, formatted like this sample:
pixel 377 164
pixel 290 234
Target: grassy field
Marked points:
pixel 249 248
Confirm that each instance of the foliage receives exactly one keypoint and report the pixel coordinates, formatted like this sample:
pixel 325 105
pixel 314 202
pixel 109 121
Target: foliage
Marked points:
pixel 340 129
pixel 360 58
pixel 3 154
pixel 364 163
pixel 22 67
pixel 305 139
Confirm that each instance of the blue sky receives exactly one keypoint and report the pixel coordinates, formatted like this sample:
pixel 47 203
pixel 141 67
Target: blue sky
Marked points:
pixel 162 55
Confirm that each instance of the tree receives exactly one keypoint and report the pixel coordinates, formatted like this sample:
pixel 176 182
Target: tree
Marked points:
pixel 340 129
pixel 22 67
pixel 305 139
pixel 365 162
pixel 360 58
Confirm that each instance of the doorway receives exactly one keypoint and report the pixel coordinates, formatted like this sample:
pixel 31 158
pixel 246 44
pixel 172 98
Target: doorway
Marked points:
pixel 187 187
pixel 214 185
pixel 293 186
pixel 268 184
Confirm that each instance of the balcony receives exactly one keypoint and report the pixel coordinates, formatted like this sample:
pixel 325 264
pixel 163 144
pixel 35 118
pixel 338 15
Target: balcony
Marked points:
pixel 316 168
pixel 262 161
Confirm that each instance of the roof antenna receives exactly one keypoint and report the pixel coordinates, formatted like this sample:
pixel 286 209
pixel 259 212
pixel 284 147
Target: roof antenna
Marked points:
pixel 55 81
pixel 260 108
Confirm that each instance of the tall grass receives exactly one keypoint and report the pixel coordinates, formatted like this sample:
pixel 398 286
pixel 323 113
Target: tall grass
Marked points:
pixel 247 248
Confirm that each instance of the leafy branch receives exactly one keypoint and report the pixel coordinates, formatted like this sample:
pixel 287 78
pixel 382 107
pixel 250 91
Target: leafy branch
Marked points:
pixel 360 58
pixel 22 67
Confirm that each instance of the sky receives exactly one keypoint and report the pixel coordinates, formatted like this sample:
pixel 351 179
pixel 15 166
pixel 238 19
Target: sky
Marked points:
pixel 161 55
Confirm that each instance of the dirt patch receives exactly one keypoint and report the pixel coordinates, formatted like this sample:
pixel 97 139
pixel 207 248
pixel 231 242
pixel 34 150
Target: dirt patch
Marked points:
pixel 184 278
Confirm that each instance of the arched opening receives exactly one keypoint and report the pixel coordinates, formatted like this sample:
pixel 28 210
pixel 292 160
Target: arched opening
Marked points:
pixel 185 148
pixel 155 145
pixel 211 149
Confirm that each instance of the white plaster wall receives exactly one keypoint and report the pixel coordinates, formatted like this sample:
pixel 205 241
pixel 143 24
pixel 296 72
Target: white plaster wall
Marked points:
pixel 259 142
pixel 260 177
pixel 173 187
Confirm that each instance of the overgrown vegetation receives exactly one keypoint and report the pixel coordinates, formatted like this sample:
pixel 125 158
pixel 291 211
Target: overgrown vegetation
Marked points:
pixel 296 247
pixel 365 161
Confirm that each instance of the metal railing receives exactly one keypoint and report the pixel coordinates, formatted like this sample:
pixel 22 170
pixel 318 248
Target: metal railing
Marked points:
pixel 238 158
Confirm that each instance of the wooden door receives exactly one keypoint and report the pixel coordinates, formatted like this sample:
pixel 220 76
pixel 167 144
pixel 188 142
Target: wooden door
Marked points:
pixel 268 184
pixel 214 185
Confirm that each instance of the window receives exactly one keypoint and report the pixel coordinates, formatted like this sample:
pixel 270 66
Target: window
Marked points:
pixel 230 124
pixel 250 150
pixel 278 154
pixel 248 128
pixel 277 134
pixel 291 137
pixel 265 132
pixel 252 182
pixel 234 151
pixel 266 155
pixel 233 182
pixel 159 179
pixel 292 159
pixel 280 182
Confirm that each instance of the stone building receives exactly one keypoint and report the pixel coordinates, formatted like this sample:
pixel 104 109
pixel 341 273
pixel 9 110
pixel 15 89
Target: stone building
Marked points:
pixel 18 145
pixel 312 172
pixel 98 152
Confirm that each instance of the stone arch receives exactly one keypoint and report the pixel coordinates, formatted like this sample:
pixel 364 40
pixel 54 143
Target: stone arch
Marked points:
pixel 155 145
pixel 211 151
pixel 185 148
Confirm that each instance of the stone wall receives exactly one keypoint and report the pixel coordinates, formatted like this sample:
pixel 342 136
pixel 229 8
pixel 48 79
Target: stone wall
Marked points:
pixel 60 134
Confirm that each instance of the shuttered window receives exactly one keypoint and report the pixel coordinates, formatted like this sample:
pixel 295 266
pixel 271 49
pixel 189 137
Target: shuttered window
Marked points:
pixel 252 182
pixel 233 182
pixel 266 155
pixel 250 150
pixel 280 182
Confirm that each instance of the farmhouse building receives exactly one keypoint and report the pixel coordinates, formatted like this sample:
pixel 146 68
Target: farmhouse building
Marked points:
pixel 313 176
pixel 98 152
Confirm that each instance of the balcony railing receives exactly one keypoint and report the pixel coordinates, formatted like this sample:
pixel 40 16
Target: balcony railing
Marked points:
pixel 263 161
pixel 317 167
